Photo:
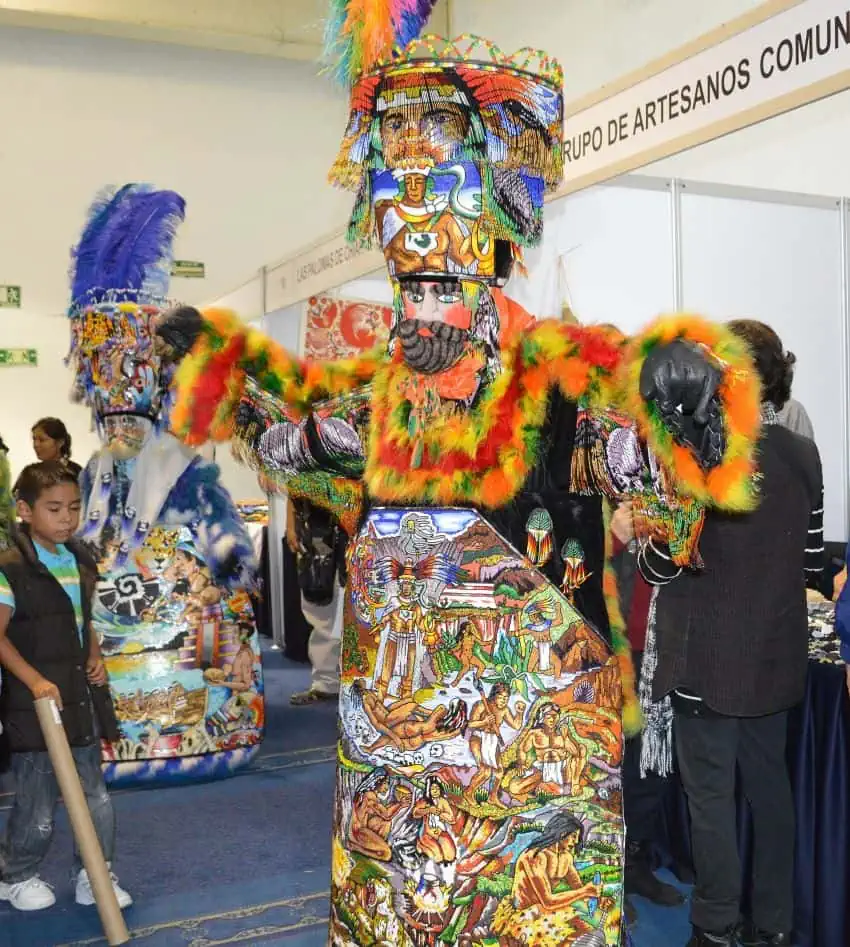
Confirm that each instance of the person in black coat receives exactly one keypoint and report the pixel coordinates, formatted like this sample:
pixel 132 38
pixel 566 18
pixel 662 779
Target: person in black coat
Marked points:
pixel 732 655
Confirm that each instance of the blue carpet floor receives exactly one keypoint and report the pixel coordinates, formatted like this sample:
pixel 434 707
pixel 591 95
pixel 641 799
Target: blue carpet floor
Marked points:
pixel 243 861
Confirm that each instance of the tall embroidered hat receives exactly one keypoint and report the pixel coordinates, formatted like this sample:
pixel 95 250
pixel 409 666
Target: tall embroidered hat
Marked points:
pixel 450 145
pixel 119 279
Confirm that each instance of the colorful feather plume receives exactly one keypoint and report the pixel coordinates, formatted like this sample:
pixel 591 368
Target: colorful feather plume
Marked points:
pixel 126 244
pixel 361 34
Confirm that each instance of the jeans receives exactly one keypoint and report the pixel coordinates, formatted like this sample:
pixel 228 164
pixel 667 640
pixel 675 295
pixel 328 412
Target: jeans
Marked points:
pixel 709 747
pixel 30 826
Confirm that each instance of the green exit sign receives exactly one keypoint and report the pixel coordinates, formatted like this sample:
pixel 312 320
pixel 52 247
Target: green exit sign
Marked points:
pixel 188 269
pixel 10 297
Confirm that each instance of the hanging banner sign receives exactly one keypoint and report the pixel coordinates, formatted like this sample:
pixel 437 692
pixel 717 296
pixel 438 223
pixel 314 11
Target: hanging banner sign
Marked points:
pixel 793 58
pixel 326 265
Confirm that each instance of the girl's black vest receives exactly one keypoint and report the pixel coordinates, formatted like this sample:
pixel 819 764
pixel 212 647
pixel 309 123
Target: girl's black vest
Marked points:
pixel 43 628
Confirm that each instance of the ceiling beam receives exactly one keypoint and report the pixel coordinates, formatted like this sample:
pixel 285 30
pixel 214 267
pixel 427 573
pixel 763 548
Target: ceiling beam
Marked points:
pixel 134 24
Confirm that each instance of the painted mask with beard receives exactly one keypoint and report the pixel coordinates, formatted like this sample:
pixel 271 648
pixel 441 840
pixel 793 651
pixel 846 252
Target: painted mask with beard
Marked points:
pixel 435 326
pixel 431 347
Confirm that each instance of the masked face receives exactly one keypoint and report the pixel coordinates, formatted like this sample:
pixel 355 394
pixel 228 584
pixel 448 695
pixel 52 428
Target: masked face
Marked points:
pixel 125 434
pixel 434 329
pixel 422 117
pixel 119 370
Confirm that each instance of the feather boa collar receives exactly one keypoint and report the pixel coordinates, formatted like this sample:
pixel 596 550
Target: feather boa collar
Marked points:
pixel 482 454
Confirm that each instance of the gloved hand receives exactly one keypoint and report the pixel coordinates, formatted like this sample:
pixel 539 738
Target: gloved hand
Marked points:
pixel 178 329
pixel 682 381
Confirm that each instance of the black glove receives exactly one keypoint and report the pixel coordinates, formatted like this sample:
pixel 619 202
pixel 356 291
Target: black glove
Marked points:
pixel 179 328
pixel 683 383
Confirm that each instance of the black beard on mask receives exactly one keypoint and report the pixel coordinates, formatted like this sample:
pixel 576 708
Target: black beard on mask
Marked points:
pixel 432 353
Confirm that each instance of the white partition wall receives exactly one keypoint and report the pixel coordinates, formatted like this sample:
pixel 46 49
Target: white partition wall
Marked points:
pixel 608 251
pixel 777 257
pixel 284 326
pixel 247 303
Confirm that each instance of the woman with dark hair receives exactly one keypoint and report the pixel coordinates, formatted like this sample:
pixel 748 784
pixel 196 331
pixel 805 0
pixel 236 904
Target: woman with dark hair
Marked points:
pixel 780 366
pixel 732 645
pixel 52 442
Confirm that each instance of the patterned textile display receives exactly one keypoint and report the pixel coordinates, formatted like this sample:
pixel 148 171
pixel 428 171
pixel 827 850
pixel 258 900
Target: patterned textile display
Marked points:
pixel 171 610
pixel 824 645
pixel 342 328
pixel 486 683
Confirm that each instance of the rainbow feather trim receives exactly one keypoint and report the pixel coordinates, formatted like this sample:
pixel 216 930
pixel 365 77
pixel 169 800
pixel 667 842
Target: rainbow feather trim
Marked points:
pixel 362 34
pixel 730 485
pixel 482 456
pixel 210 380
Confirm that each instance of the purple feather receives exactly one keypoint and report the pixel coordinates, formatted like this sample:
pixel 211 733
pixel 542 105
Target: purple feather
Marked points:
pixel 84 271
pixel 144 254
pixel 127 243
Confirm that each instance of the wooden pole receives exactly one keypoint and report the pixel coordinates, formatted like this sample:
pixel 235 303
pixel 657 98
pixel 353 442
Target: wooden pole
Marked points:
pixel 81 821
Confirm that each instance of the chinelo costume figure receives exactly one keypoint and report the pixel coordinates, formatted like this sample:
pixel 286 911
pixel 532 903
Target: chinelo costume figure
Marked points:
pixel 171 608
pixel 484 690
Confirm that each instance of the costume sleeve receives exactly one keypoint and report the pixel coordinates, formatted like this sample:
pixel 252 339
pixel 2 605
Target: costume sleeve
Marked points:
pixel 609 458
pixel 601 370
pixel 210 381
pixel 623 448
pixel 318 458
pixel 207 507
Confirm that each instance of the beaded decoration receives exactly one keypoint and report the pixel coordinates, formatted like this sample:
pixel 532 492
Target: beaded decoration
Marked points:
pixel 119 279
pixel 451 146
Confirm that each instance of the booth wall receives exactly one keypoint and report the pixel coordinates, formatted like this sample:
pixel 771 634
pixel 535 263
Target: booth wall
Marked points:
pixel 804 151
pixel 229 132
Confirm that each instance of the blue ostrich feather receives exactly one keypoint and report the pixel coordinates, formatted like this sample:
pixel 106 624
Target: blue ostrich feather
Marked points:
pixel 86 255
pixel 126 243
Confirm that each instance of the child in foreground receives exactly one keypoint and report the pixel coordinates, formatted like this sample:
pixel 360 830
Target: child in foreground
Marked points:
pixel 47 649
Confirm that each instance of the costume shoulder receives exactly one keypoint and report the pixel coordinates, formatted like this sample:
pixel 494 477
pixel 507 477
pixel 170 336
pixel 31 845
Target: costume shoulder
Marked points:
pixel 728 482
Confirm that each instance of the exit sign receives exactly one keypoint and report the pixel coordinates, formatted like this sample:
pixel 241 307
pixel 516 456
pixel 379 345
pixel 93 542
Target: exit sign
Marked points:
pixel 188 269
pixel 10 297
